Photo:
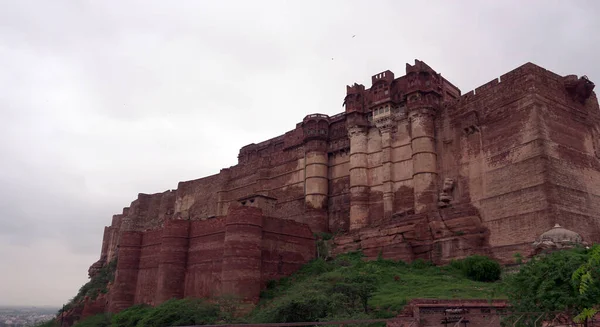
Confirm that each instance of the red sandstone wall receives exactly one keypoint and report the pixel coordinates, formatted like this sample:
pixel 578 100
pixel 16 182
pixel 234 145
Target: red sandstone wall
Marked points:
pixel 197 199
pixel 94 307
pixel 172 261
pixel 573 169
pixel 286 246
pixel 236 254
pixel 499 167
pixel 205 257
pixel 122 294
pixel 271 169
pixel 148 267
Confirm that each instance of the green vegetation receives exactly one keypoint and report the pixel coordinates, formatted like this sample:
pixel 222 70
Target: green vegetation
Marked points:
pixel 479 268
pixel 99 320
pixel 586 280
pixel 347 287
pixel 556 282
pixel 96 286
pixel 171 313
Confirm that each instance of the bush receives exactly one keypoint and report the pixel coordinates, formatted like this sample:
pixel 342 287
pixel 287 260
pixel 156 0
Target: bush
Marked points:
pixel 545 284
pixel 479 268
pixel 131 316
pixel 180 313
pixel 421 264
pixel 95 286
pixel 99 320
pixel 305 309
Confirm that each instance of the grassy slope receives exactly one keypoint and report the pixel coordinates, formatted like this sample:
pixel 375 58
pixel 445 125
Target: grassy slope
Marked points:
pixel 307 295
pixel 396 284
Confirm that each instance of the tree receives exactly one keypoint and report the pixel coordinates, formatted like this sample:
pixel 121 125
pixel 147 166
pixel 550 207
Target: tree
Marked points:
pixel 545 284
pixel 586 280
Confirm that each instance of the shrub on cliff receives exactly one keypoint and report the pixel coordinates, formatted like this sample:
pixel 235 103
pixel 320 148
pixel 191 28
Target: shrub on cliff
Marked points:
pixel 131 316
pixel 479 268
pixel 180 313
pixel 94 287
pixel 99 320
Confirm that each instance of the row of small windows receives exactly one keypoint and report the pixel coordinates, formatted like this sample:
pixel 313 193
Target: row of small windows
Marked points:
pixel 381 111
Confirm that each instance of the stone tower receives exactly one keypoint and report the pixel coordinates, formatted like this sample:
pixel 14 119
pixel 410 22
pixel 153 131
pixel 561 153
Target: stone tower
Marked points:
pixel 316 171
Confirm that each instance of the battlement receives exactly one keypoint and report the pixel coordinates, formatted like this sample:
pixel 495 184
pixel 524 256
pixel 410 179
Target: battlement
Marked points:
pixel 315 116
pixel 387 76
pixel 419 67
pixel 387 89
pixel 579 89
pixel 355 89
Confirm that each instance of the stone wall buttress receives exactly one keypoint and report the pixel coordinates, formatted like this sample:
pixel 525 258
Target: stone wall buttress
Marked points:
pixel 424 159
pixel 242 253
pixel 316 171
pixel 173 260
pixel 386 127
pixel 124 286
pixel 359 186
pixel 317 185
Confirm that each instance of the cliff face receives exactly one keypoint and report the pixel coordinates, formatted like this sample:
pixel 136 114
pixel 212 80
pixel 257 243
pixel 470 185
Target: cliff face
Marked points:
pixel 410 170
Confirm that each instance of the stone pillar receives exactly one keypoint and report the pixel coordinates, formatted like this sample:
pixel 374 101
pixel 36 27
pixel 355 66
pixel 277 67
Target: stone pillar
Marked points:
pixel 123 290
pixel 242 253
pixel 316 181
pixel 386 160
pixel 424 158
pixel 359 186
pixel 172 261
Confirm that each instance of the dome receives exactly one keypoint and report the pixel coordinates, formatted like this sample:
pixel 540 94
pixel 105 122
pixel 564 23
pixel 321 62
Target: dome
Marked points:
pixel 559 234
pixel 557 238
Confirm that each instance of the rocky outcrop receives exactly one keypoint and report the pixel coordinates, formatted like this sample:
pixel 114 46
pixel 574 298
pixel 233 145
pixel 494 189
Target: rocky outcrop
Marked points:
pixel 437 237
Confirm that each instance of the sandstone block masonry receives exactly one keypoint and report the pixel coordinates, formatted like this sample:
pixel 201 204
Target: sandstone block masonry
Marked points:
pixel 411 169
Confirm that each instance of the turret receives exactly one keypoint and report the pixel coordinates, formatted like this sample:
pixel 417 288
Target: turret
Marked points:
pixel 316 168
pixel 424 94
pixel 382 108
pixel 172 260
pixel 127 272
pixel 242 256
pixel 355 99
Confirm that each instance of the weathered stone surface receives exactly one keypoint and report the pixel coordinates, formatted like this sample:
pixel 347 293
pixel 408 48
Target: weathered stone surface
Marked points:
pixel 412 169
pixel 232 255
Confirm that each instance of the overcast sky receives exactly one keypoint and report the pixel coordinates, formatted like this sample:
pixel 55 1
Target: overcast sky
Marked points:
pixel 101 100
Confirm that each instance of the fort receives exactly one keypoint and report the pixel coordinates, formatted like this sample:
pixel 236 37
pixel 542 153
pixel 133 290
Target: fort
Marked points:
pixel 411 169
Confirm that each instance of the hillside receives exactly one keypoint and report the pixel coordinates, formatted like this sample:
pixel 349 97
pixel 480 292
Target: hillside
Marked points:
pixel 341 288
pixel 341 285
